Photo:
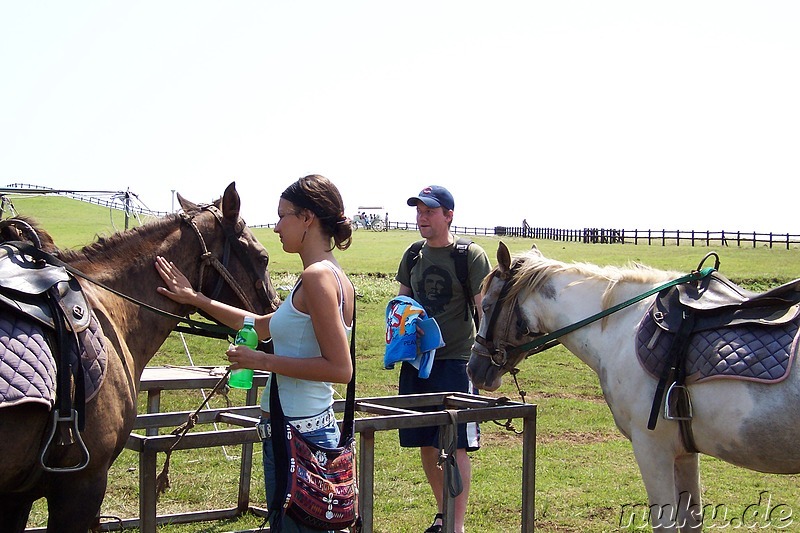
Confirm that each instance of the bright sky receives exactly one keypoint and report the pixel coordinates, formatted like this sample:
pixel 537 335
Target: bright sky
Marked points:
pixel 624 114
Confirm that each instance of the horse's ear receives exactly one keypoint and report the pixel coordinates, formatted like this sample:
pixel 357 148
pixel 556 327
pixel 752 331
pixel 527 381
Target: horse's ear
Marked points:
pixel 503 256
pixel 185 204
pixel 231 203
pixel 534 247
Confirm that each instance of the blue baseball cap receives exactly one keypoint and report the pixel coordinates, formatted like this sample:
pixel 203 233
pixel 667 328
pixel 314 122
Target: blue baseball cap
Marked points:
pixel 434 196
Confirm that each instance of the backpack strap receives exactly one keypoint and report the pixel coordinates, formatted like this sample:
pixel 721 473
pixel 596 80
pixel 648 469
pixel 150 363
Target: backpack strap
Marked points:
pixel 462 273
pixel 413 254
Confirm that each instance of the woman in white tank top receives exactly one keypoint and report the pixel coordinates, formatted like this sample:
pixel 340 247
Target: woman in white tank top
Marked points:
pixel 310 330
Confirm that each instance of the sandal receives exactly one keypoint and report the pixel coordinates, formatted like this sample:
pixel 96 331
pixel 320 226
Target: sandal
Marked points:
pixel 435 528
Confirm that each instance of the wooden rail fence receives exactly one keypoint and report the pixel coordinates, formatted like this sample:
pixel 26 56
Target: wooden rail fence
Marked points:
pixel 651 237
pixel 661 237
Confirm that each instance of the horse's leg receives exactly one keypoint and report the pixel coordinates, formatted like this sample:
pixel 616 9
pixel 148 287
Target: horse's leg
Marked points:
pixel 14 512
pixel 656 460
pixel 73 502
pixel 687 486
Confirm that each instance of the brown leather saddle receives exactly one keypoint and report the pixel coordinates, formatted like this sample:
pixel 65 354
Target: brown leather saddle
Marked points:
pixel 26 285
pixel 38 287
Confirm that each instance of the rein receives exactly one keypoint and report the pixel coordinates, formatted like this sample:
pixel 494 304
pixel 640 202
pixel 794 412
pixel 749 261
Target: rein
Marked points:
pixel 192 326
pixel 549 340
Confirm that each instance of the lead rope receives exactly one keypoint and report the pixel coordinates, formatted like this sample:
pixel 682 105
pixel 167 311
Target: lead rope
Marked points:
pixel 503 400
pixel 162 480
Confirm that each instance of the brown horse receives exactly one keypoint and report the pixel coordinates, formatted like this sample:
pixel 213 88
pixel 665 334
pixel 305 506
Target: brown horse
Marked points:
pixel 200 239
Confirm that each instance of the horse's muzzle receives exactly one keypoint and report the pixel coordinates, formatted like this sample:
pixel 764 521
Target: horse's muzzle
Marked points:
pixel 497 355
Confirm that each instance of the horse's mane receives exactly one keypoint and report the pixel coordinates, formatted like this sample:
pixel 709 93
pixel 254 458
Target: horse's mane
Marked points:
pixel 19 227
pixel 532 270
pixel 119 244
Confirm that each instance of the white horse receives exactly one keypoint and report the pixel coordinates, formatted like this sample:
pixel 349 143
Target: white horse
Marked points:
pixel 746 422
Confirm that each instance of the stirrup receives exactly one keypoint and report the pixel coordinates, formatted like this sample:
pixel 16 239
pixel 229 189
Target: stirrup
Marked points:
pixel 75 438
pixel 668 412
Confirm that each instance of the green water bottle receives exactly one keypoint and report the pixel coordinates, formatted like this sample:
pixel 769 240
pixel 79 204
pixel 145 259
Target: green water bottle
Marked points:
pixel 242 378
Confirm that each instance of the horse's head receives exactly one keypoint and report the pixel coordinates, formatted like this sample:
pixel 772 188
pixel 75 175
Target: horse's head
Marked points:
pixel 233 265
pixel 504 327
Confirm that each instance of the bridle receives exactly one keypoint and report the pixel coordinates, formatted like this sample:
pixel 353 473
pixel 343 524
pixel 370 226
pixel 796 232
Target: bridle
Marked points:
pixel 232 234
pixel 502 352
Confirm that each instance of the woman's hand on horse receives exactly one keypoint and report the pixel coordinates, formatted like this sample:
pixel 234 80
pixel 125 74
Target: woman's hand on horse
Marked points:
pixel 177 287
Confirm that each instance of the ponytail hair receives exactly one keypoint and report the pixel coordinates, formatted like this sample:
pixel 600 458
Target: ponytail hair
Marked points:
pixel 320 196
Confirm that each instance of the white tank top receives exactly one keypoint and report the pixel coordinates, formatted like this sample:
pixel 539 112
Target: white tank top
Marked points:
pixel 293 336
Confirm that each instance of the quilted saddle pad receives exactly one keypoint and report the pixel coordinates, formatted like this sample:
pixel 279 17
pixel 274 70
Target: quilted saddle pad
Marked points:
pixel 28 369
pixel 753 352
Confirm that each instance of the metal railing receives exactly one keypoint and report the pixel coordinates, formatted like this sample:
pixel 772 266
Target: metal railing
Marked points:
pixel 383 413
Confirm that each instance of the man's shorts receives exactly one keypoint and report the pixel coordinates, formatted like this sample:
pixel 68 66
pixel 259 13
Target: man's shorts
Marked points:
pixel 447 375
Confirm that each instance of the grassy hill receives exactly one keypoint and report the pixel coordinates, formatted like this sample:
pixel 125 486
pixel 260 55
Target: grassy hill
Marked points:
pixel 74 223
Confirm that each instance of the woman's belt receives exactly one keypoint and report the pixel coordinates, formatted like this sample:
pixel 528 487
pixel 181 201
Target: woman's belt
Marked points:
pixel 303 425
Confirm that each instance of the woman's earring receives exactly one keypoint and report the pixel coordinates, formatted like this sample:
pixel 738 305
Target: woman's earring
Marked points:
pixel 303 238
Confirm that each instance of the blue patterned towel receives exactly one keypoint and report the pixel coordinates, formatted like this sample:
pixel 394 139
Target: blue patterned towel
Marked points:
pixel 404 317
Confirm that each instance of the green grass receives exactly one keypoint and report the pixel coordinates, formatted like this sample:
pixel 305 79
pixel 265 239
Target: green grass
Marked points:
pixel 585 471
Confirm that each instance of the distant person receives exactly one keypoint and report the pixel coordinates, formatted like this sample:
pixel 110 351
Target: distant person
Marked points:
pixel 526 229
pixel 386 222
pixel 432 280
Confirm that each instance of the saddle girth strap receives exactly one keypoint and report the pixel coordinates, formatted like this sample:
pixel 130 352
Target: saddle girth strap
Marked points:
pixel 675 360
pixel 65 344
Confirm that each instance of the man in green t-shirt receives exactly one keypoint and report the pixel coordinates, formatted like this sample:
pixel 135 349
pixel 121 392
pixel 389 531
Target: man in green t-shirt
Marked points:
pixel 432 280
